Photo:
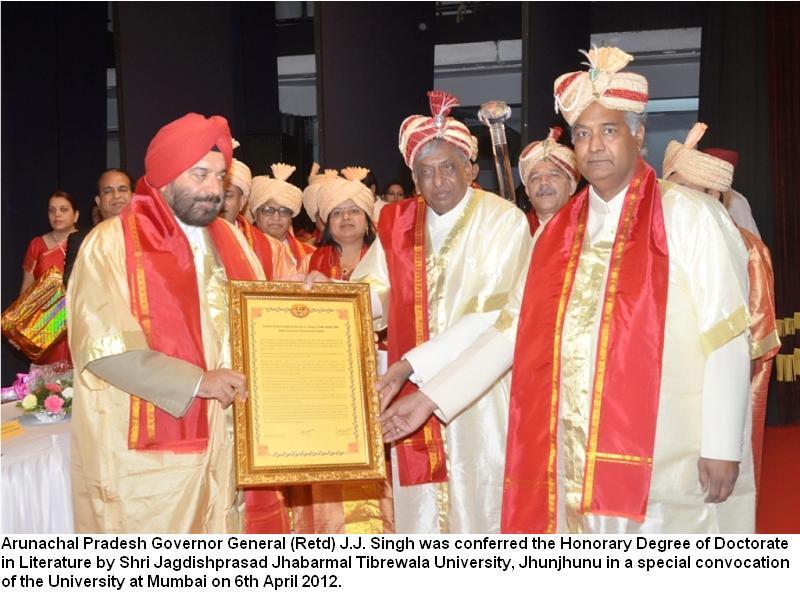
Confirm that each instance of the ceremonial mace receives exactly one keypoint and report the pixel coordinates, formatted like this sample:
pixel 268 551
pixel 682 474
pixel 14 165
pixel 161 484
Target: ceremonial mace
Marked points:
pixel 494 114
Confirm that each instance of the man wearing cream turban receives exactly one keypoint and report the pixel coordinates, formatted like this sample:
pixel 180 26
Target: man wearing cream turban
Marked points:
pixel 152 432
pixel 275 259
pixel 628 340
pixel 549 173
pixel 445 259
pixel 237 190
pixel 686 165
pixel 273 203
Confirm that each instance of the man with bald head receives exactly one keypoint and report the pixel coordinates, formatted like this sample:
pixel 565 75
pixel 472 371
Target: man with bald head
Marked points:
pixel 151 428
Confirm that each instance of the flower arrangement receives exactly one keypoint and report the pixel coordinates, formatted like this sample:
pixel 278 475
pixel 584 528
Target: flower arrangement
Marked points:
pixel 46 392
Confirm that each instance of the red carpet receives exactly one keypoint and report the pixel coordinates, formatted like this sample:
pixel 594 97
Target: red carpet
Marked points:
pixel 779 499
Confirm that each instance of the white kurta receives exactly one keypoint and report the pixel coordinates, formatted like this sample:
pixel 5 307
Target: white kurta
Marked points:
pixel 704 383
pixel 475 254
pixel 739 210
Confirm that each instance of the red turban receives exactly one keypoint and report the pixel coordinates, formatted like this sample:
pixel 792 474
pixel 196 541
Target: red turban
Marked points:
pixel 181 144
pixel 729 156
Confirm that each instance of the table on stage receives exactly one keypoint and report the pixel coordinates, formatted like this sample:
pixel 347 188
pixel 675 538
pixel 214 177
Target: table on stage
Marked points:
pixel 36 489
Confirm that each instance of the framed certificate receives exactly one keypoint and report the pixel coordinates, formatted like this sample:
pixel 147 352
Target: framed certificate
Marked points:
pixel 309 360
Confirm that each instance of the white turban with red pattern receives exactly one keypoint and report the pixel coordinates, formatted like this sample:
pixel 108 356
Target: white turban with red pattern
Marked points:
pixel 418 130
pixel 549 149
pixel 602 83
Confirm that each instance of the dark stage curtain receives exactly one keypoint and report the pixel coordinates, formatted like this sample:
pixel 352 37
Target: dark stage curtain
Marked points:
pixel 733 99
pixel 783 86
pixel 54 57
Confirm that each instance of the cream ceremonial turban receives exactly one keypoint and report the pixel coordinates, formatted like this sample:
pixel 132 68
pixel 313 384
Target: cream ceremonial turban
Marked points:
pixel 276 188
pixel 315 180
pixel 417 130
pixel 334 191
pixel 239 175
pixel 697 167
pixel 549 149
pixel 602 83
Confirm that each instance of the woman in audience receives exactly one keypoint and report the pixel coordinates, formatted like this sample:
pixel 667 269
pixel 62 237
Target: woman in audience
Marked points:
pixel 49 250
pixel 344 205
pixel 394 192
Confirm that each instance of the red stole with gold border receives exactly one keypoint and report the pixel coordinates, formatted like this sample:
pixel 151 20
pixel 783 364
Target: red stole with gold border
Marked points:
pixel 328 261
pixel 259 243
pixel 625 391
pixel 164 298
pixel 298 249
pixel 401 230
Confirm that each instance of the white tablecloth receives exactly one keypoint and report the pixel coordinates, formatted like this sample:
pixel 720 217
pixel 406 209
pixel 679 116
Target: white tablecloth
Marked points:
pixel 36 490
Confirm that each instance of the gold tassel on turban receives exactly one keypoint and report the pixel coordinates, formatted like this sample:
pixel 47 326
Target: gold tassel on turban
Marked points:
pixel 549 149
pixel 602 83
pixel 334 191
pixel 315 180
pixel 418 130
pixel 698 168
pixel 276 188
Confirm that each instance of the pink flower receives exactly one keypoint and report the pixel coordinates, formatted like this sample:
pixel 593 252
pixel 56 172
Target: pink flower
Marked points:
pixel 53 387
pixel 53 404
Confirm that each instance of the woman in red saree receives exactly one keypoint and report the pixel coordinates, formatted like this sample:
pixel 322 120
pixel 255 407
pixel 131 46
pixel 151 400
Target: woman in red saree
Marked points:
pixel 49 250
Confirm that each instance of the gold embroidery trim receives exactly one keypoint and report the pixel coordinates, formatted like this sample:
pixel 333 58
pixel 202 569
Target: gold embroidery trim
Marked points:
pixel 493 302
pixel 724 331
pixel 143 308
pixel 419 270
pixel 443 494
pixel 150 410
pixel 602 351
pixel 624 458
pixel 761 347
pixel 134 429
pixel 555 377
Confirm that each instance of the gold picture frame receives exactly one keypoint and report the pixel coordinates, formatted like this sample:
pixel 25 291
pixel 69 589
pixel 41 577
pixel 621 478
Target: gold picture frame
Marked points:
pixel 309 360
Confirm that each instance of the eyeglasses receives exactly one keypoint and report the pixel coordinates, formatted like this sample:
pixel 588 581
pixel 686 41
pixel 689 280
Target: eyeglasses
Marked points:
pixel 269 211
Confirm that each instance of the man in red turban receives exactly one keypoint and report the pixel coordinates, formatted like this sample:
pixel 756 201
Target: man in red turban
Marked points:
pixel 151 437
